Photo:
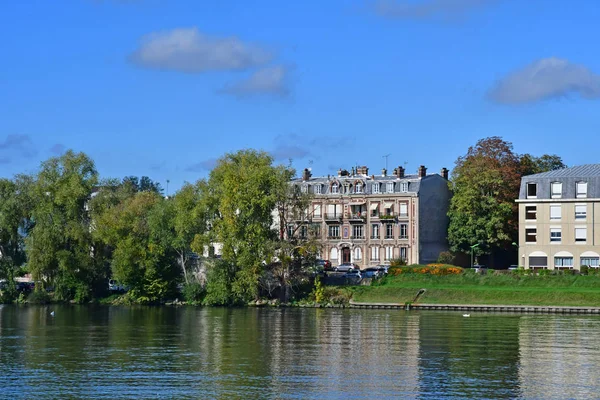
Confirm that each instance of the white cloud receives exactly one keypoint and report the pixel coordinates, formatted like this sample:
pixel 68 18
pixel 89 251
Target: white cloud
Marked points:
pixel 269 80
pixel 545 79
pixel 188 50
pixel 426 8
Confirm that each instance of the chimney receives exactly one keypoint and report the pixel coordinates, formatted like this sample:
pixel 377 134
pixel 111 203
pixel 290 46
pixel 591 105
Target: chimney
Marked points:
pixel 383 172
pixel 362 170
pixel 399 172
pixel 340 172
pixel 306 174
pixel 422 171
pixel 445 173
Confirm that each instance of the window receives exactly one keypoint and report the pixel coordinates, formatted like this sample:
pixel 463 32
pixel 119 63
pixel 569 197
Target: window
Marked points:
pixel 555 235
pixel 317 210
pixel 581 189
pixel 580 234
pixel 334 231
pixel 304 188
pixel 333 254
pixel 538 261
pixel 403 231
pixel 334 188
pixel 358 231
pixel 404 187
pixel 580 211
pixel 374 253
pixel 389 231
pixel 290 231
pixel 333 211
pixel 403 253
pixel 555 212
pixel 556 190
pixel 530 235
pixel 403 209
pixel 375 231
pixel 358 188
pixel 316 230
pixel 357 253
pixel 389 253
pixel 303 231
pixel 564 262
pixel 375 187
pixel 530 212
pixel 593 262
pixel 318 189
pixel 531 190
pixel 390 187
pixel 374 210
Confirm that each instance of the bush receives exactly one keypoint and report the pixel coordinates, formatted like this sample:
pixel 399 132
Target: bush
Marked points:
pixel 397 262
pixel 39 297
pixel 445 257
pixel 584 269
pixel 430 269
pixel 193 293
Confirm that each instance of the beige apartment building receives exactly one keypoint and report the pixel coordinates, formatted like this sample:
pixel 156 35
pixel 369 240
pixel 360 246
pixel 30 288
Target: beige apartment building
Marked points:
pixel 373 219
pixel 558 218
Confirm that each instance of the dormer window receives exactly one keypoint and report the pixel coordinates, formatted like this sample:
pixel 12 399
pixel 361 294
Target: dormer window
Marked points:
pixel 581 189
pixel 390 187
pixel 404 187
pixel 358 188
pixel 375 187
pixel 334 188
pixel 556 190
pixel 304 188
pixel 531 190
pixel 318 189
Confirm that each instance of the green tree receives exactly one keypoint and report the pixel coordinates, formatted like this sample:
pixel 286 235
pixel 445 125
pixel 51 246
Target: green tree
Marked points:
pixel 240 203
pixel 59 245
pixel 485 183
pixel 535 165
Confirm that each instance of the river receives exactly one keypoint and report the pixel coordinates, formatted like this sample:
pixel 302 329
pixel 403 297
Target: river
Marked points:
pixel 248 353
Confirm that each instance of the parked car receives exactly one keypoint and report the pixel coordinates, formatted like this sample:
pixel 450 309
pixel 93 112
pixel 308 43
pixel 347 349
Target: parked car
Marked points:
pixel 326 264
pixel 346 267
pixel 354 275
pixel 373 272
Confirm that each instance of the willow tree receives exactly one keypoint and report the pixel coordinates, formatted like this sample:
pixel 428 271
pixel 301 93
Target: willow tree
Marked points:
pixel 59 245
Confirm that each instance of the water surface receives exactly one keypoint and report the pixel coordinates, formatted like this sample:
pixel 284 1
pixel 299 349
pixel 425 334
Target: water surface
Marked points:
pixel 167 352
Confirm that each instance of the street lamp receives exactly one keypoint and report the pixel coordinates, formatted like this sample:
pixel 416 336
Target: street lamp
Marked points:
pixel 473 248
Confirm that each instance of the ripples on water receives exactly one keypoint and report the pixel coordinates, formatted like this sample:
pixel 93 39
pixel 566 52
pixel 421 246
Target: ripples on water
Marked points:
pixel 122 352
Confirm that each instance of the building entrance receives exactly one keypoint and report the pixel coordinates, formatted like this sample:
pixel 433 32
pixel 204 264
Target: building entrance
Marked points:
pixel 345 255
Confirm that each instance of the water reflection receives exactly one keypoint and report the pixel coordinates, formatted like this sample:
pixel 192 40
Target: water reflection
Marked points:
pixel 145 352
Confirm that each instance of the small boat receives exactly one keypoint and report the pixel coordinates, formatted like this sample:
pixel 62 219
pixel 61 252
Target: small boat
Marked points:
pixel 466 315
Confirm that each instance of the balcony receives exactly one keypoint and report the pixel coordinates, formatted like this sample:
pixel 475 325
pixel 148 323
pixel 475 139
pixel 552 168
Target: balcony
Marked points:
pixel 362 237
pixel 357 216
pixel 388 216
pixel 333 216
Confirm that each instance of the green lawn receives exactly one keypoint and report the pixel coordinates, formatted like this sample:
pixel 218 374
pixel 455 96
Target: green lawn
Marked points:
pixel 487 289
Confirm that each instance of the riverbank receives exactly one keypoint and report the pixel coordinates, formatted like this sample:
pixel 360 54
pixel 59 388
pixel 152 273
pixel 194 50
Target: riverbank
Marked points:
pixel 489 289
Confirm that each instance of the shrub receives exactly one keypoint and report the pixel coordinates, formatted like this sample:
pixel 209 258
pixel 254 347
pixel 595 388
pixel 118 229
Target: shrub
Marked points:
pixel 584 269
pixel 39 297
pixel 430 269
pixel 318 291
pixel 193 292
pixel 397 262
pixel 445 257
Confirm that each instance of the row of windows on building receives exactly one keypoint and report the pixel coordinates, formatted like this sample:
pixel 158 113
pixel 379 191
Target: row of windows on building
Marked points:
pixel 375 253
pixel 378 231
pixel 357 188
pixel 564 261
pixel 335 210
pixel 556 190
pixel 556 234
pixel 556 212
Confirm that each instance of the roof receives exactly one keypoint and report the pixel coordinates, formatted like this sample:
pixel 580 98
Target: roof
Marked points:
pixel 580 171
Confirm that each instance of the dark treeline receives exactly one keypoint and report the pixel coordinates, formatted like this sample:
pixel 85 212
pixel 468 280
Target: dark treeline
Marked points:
pixel 73 231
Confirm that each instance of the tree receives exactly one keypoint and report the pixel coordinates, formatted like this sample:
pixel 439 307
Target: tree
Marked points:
pixel 535 165
pixel 139 232
pixel 485 184
pixel 143 184
pixel 59 244
pixel 240 201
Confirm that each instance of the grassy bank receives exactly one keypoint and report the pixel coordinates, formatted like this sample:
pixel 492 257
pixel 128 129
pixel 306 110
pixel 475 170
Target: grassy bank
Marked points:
pixel 469 288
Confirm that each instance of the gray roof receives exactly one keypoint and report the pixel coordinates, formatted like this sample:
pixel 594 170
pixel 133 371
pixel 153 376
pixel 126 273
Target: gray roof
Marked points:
pixel 569 177
pixel 579 171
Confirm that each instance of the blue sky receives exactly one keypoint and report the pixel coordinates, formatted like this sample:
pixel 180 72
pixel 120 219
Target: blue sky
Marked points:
pixel 163 88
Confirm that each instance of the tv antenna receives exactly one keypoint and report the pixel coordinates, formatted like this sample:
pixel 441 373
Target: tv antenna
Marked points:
pixel 386 160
